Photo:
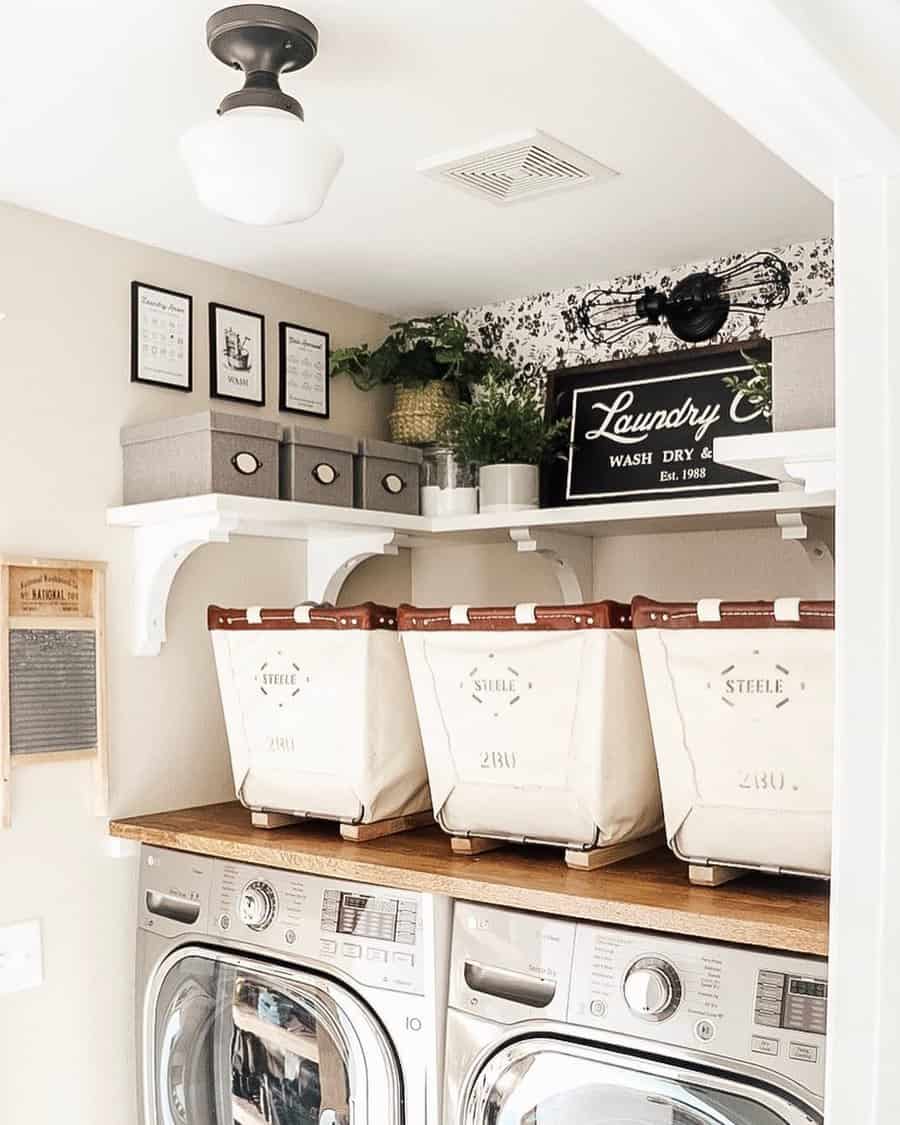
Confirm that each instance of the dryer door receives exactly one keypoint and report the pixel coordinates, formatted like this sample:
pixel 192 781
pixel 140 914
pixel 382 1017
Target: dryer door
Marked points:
pixel 236 1041
pixel 554 1082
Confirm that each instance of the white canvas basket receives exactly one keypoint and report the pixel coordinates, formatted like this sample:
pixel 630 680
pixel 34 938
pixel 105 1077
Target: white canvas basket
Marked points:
pixel 319 712
pixel 741 698
pixel 534 722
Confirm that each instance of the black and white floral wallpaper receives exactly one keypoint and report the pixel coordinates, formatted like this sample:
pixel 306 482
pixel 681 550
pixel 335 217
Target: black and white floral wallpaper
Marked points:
pixel 541 333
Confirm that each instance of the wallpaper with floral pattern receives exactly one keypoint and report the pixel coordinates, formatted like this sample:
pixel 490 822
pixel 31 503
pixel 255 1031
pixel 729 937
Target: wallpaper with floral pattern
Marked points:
pixel 541 333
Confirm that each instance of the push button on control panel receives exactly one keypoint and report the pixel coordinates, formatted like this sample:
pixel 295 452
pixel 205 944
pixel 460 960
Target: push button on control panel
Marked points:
pixel 705 1030
pixel 377 955
pixel 804 1052
pixel 404 959
pixel 349 950
pixel 763 1045
pixel 328 946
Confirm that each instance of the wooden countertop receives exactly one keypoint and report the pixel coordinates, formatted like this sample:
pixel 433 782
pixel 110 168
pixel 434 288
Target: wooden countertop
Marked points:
pixel 648 892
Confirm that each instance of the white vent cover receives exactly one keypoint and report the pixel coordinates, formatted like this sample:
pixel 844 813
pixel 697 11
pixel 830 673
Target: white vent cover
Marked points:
pixel 517 167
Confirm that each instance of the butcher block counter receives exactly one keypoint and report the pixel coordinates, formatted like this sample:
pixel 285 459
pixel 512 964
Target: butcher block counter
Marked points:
pixel 647 892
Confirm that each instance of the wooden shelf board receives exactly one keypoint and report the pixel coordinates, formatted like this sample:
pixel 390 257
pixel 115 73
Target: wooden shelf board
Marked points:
pixel 648 892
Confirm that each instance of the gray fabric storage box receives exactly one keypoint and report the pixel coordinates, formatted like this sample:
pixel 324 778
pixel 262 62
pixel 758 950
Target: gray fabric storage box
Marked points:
pixel 802 366
pixel 317 466
pixel 198 453
pixel 387 477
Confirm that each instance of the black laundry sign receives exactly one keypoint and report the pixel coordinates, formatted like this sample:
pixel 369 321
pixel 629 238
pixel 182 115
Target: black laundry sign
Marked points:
pixel 646 431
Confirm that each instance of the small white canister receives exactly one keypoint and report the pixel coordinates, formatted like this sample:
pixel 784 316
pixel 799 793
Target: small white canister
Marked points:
pixel 534 722
pixel 741 698
pixel 319 712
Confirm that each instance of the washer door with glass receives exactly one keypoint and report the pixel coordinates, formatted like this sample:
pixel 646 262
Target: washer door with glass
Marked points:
pixel 553 1082
pixel 236 1041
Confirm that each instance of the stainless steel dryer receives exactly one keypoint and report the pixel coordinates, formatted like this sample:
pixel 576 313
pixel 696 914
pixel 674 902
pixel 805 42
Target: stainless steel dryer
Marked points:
pixel 553 1022
pixel 269 997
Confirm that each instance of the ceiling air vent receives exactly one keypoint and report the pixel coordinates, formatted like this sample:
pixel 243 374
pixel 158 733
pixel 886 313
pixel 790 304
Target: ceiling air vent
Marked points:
pixel 517 167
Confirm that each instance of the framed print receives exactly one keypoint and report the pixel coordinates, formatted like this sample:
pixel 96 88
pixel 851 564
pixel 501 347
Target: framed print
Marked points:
pixel 303 370
pixel 643 428
pixel 161 337
pixel 237 354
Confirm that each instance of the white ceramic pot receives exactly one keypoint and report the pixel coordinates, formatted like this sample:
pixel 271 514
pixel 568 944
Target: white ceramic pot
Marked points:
pixel 508 488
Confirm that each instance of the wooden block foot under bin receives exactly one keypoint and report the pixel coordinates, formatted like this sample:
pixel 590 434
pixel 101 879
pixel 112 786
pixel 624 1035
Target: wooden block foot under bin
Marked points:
pixel 580 859
pixel 741 701
pixel 535 727
pixel 354 833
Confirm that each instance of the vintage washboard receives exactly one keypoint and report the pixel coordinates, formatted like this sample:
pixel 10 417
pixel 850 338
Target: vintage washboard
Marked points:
pixel 52 669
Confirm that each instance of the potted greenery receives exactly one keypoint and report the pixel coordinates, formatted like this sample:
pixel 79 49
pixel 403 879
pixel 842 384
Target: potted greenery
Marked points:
pixel 506 435
pixel 431 366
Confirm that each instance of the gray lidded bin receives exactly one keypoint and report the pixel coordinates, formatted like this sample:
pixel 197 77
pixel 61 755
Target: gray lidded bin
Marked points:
pixel 802 366
pixel 387 477
pixel 198 453
pixel 317 466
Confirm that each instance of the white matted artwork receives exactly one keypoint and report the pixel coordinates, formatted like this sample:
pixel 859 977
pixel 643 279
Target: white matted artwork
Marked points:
pixel 237 354
pixel 303 370
pixel 161 336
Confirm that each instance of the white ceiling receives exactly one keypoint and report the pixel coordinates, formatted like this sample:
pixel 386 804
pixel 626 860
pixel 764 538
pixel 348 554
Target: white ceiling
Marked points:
pixel 94 94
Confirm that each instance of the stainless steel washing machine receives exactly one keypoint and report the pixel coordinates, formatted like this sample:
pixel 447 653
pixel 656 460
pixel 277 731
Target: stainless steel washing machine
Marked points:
pixel 553 1022
pixel 267 997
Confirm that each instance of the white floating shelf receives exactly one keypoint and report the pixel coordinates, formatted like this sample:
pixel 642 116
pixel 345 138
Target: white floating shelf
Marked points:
pixel 804 458
pixel 338 539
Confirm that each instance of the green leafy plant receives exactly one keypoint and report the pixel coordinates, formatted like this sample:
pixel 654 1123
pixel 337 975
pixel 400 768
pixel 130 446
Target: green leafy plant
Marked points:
pixel 756 388
pixel 417 352
pixel 500 427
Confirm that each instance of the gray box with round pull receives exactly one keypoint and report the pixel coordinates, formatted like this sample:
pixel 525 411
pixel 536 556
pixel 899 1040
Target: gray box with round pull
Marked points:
pixel 317 466
pixel 387 477
pixel 198 453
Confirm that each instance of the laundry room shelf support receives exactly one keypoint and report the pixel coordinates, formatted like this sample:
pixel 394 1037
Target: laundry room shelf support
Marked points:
pixel 570 556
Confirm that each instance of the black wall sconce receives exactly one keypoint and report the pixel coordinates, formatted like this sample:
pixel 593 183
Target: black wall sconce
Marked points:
pixel 697 306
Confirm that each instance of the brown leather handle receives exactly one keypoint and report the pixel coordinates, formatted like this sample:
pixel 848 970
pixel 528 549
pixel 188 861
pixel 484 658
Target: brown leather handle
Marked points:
pixel 649 614
pixel 367 615
pixel 589 615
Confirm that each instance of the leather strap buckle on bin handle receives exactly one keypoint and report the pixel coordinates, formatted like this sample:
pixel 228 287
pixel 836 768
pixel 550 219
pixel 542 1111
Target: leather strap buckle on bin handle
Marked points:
pixel 246 463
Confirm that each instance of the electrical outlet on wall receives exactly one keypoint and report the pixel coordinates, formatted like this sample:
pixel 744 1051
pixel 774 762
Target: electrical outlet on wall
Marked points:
pixel 21 964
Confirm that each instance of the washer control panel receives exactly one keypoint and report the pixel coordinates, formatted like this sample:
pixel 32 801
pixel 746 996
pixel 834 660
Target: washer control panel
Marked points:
pixel 367 932
pixel 729 1003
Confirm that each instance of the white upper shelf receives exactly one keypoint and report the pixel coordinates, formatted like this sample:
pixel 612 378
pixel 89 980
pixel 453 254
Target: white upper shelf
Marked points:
pixel 800 457
pixel 338 539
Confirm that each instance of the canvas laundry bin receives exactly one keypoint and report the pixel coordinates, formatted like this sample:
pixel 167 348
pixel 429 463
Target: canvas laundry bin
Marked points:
pixel 741 700
pixel 534 722
pixel 319 712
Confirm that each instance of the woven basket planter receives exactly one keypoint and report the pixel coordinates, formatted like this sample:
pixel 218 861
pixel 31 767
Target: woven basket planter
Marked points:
pixel 419 413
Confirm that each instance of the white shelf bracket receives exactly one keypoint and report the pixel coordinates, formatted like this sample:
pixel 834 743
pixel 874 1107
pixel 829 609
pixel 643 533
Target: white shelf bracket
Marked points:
pixel 570 557
pixel 159 551
pixel 331 557
pixel 815 536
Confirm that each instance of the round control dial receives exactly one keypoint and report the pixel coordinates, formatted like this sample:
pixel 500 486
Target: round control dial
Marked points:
pixel 258 905
pixel 652 989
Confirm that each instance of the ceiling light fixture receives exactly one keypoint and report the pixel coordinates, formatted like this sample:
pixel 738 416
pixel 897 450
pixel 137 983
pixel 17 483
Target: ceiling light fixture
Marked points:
pixel 258 161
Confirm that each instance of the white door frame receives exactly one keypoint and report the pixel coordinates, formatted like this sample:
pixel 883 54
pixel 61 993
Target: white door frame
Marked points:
pixel 759 68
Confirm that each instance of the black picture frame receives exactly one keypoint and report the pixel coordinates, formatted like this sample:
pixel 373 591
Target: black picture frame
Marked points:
pixel 215 359
pixel 137 375
pixel 651 371
pixel 283 403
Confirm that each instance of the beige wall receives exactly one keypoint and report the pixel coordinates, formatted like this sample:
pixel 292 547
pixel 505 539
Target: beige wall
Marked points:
pixel 66 1048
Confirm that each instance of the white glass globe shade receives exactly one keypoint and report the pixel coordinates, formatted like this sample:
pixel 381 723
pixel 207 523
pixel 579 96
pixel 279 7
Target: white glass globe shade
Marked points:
pixel 261 166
